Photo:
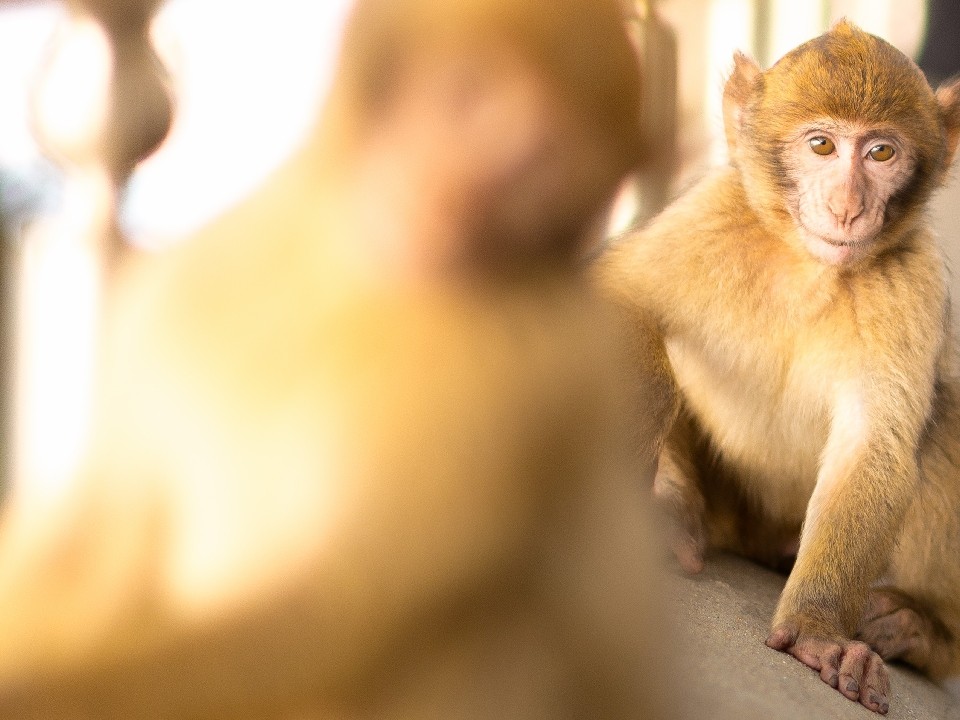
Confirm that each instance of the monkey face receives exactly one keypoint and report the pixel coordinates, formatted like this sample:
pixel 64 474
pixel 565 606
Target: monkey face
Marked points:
pixel 840 143
pixel 845 176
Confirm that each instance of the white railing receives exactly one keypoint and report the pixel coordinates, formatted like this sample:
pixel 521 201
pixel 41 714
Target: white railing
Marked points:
pixel 99 105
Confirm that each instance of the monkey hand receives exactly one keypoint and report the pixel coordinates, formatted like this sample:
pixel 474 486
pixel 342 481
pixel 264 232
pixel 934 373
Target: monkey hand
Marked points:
pixel 688 542
pixel 849 666
pixel 683 508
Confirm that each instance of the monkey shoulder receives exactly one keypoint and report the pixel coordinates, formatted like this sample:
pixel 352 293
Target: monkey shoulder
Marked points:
pixel 706 220
pixel 695 248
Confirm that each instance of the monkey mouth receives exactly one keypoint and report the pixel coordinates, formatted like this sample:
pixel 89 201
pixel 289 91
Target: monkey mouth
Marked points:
pixel 816 236
pixel 838 243
pixel 837 237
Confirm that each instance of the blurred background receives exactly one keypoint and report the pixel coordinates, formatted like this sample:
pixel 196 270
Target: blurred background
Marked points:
pixel 247 78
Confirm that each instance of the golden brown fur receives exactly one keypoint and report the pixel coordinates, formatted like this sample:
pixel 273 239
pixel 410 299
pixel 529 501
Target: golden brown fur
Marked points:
pixel 813 365
pixel 359 448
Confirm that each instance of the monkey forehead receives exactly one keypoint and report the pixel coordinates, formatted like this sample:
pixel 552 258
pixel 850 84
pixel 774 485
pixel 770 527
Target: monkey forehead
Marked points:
pixel 848 74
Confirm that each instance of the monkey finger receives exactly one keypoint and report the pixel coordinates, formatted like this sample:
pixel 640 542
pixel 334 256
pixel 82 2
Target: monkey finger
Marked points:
pixel 781 638
pixel 819 655
pixel 850 667
pixel 875 686
pixel 689 552
pixel 683 519
pixel 856 659
pixel 828 656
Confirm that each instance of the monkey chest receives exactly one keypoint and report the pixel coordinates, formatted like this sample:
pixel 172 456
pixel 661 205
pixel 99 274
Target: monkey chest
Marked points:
pixel 764 408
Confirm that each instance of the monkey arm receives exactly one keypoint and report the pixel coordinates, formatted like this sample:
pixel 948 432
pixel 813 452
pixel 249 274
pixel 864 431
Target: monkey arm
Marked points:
pixel 882 401
pixel 867 476
pixel 646 276
pixel 650 387
pixel 648 381
pixel 866 482
pixel 677 492
pixel 863 490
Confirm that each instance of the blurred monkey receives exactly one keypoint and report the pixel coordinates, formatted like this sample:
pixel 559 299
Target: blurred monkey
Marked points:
pixel 360 446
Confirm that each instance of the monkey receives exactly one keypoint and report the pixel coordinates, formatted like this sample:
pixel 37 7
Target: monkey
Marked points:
pixel 360 446
pixel 801 301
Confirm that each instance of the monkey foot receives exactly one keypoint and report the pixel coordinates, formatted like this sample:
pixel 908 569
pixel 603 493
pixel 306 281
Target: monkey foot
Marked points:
pixel 896 629
pixel 849 666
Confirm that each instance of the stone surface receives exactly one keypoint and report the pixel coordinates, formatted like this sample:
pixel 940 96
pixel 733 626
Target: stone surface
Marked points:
pixel 729 674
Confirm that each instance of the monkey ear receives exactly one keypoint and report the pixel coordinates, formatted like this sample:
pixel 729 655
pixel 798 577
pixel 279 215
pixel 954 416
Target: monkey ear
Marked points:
pixel 739 87
pixel 948 101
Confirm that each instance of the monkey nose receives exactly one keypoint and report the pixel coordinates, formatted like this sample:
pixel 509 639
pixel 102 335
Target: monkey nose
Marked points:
pixel 845 210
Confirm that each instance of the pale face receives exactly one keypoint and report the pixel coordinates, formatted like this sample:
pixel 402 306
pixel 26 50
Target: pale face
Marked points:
pixel 845 176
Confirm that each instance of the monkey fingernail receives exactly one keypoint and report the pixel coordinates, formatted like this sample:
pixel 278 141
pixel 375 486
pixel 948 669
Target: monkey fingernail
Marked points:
pixel 879 703
pixel 853 686
pixel 834 681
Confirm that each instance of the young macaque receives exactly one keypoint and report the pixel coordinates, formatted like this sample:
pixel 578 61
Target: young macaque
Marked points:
pixel 359 447
pixel 801 298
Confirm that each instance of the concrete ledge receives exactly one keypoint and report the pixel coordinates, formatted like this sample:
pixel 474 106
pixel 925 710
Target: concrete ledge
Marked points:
pixel 729 674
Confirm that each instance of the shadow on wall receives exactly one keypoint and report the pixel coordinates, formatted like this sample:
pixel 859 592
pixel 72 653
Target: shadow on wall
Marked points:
pixel 940 59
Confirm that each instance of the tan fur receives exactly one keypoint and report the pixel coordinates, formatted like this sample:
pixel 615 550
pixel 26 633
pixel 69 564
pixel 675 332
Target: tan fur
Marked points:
pixel 814 392
pixel 360 447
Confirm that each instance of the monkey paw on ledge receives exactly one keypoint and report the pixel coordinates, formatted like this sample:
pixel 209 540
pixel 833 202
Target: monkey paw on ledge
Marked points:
pixel 729 674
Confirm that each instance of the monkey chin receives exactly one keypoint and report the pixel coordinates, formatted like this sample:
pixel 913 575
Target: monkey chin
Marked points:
pixel 834 251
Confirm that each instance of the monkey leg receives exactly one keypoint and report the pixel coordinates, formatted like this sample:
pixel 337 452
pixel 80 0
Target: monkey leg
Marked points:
pixel 915 615
pixel 897 628
pixel 676 491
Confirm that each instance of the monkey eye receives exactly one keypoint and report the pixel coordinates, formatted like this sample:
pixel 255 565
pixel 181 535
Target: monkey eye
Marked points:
pixel 881 153
pixel 822 145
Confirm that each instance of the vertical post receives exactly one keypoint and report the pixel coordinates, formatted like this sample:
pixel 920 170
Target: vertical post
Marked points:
pixel 100 105
pixel 656 46
pixel 761 33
